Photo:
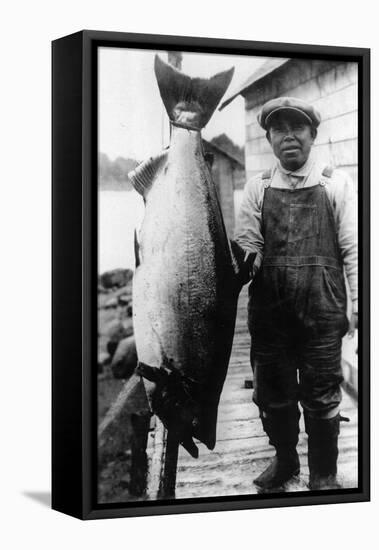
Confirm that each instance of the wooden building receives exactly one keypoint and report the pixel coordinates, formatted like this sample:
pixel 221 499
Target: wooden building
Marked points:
pixel 331 86
pixel 228 175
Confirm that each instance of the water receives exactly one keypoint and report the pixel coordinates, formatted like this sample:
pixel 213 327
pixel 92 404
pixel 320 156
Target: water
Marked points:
pixel 120 212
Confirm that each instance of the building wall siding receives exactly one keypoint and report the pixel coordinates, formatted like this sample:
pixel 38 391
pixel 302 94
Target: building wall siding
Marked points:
pixel 222 172
pixel 332 88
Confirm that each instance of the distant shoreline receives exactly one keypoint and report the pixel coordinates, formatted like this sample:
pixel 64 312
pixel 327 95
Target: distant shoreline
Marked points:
pixel 115 186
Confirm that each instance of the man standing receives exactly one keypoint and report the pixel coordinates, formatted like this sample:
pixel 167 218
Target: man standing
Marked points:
pixel 298 220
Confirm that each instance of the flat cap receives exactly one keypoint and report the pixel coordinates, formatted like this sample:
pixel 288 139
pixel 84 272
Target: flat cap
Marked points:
pixel 288 104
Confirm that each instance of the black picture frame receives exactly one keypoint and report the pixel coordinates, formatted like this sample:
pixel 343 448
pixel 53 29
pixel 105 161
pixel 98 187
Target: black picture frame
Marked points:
pixel 74 272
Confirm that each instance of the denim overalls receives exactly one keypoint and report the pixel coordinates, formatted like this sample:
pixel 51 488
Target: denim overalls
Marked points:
pixel 297 306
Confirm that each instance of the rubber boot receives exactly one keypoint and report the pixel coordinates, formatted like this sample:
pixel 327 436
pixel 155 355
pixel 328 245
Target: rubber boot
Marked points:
pixel 322 451
pixel 282 427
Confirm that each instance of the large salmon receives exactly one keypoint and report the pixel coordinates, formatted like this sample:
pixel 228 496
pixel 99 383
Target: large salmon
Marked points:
pixel 186 282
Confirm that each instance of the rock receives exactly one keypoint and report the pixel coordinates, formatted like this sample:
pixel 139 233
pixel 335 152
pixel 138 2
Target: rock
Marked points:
pixel 124 299
pixel 103 360
pixel 116 278
pixel 111 348
pixel 128 329
pixel 124 291
pixel 115 330
pixel 111 303
pixel 125 358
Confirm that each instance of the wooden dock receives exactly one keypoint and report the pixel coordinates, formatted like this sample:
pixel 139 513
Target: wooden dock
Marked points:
pixel 242 450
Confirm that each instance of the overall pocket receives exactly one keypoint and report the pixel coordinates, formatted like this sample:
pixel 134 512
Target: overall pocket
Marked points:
pixel 303 222
pixel 334 284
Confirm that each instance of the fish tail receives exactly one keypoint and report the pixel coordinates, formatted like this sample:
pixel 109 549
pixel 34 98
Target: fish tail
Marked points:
pixel 190 101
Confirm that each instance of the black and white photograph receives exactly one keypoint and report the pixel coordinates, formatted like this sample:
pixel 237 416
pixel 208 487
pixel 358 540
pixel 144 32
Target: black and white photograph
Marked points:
pixel 227 275
pixel 189 264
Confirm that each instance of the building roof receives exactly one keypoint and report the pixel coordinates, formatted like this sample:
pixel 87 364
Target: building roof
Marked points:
pixel 266 68
pixel 227 154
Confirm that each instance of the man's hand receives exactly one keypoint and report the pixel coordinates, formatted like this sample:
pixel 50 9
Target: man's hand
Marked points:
pixel 353 324
pixel 245 262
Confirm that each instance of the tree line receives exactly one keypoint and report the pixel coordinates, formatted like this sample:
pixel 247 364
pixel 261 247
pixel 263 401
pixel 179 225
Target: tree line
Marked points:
pixel 113 174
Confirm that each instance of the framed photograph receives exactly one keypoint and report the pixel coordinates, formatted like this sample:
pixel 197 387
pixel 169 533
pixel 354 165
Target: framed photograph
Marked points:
pixel 210 274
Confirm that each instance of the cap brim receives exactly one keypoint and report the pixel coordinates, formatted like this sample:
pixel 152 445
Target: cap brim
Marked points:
pixel 287 108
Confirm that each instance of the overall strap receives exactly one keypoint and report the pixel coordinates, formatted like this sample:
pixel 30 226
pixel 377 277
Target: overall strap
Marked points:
pixel 267 178
pixel 326 174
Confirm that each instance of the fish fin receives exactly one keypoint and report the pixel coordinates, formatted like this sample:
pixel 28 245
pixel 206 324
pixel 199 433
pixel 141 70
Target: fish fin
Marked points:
pixel 189 445
pixel 205 431
pixel 136 250
pixel 172 403
pixel 242 260
pixel 143 176
pixel 153 374
pixel 237 255
pixel 190 100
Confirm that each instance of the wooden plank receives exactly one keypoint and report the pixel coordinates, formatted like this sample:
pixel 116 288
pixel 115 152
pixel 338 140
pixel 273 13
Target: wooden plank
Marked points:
pixel 238 429
pixel 168 481
pixel 232 451
pixel 326 82
pixel 155 451
pixel 338 153
pixel 338 128
pixel 204 473
pixel 242 411
pixel 233 471
pixel 254 131
pixel 242 450
pixel 287 79
pixel 228 484
pixel 338 102
pixel 258 145
pixel 162 452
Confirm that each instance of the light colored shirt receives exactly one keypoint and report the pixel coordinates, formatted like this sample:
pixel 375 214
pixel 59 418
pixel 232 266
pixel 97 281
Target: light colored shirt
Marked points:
pixel 343 199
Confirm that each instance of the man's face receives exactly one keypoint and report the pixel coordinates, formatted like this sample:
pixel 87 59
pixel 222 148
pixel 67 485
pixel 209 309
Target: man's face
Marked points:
pixel 291 139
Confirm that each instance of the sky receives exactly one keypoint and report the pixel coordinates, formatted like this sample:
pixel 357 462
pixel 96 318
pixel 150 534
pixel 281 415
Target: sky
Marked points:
pixel 132 119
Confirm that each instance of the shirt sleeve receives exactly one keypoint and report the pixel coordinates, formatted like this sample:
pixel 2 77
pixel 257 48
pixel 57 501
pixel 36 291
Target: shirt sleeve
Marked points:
pixel 346 210
pixel 248 232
